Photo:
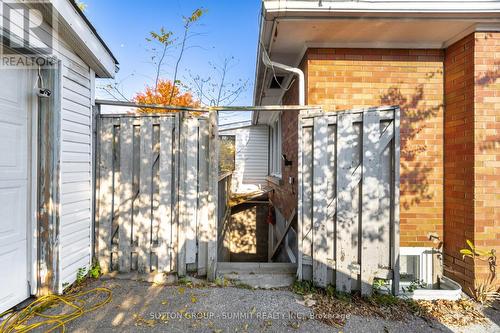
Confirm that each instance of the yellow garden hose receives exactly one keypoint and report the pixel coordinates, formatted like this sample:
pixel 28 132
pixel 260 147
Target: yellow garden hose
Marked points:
pixel 18 322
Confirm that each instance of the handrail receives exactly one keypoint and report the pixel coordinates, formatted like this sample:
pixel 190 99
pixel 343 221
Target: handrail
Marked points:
pixel 269 108
pixel 225 175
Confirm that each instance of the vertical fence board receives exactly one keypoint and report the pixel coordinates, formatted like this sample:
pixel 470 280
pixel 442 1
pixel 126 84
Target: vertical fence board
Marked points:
pixel 191 183
pixel 213 179
pixel 319 213
pixel 105 194
pixel 345 216
pixel 307 204
pixel 165 206
pixel 371 228
pixel 386 156
pixel 125 212
pixel 145 190
pixel 331 197
pixel 202 235
pixel 181 228
pixel 176 149
pixel 115 206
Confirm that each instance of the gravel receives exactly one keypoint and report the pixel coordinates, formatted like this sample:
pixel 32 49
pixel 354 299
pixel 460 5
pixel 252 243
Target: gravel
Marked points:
pixel 145 307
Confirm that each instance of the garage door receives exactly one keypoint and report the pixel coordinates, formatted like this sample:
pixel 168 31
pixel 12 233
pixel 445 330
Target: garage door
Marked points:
pixel 13 187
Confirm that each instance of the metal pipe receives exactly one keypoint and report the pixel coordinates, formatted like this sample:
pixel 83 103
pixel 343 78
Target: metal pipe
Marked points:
pixel 269 108
pixel 302 86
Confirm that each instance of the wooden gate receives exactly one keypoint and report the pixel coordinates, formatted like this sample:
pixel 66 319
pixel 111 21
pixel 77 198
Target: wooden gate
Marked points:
pixel 348 210
pixel 153 193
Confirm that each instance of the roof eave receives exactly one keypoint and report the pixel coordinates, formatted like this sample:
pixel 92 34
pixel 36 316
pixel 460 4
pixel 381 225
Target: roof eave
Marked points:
pixel 276 9
pixel 83 37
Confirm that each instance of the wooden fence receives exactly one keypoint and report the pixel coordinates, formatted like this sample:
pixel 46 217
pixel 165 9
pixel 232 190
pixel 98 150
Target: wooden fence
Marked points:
pixel 348 210
pixel 155 209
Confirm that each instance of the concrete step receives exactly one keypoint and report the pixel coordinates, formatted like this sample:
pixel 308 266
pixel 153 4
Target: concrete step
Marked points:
pixel 257 267
pixel 258 275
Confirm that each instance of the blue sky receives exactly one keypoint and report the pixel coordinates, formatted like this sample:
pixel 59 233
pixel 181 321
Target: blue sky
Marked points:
pixel 229 29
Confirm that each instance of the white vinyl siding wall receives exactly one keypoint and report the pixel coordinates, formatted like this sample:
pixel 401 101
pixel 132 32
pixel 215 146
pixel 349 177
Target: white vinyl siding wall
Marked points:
pixel 251 153
pixel 75 225
pixel 76 175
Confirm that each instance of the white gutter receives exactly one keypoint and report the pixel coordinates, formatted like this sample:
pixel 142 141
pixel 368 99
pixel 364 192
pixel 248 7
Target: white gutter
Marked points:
pixel 302 85
pixel 387 6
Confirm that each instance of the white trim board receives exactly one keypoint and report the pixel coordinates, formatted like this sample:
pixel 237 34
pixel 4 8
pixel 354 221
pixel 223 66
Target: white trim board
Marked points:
pixel 32 221
pixel 382 6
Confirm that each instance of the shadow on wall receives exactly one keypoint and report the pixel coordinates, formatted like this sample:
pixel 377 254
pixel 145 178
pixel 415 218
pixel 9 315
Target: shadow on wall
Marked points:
pixel 486 79
pixel 415 112
pixel 491 75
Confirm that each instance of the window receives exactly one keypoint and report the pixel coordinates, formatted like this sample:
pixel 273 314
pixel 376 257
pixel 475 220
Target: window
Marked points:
pixel 416 265
pixel 275 147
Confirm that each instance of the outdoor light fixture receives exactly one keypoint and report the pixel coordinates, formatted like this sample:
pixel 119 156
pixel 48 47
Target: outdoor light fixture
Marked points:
pixel 287 162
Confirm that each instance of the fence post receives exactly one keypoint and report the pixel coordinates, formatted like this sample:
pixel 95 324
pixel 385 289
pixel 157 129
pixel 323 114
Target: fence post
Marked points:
pixel 395 248
pixel 96 111
pixel 300 196
pixel 213 178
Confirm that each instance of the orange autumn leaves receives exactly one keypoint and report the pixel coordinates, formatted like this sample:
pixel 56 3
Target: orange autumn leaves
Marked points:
pixel 163 95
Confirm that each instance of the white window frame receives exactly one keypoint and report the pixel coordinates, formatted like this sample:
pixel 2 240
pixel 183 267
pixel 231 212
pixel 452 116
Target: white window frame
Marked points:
pixel 425 262
pixel 275 148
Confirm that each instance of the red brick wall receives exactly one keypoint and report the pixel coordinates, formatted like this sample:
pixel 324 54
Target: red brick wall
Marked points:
pixel 413 79
pixel 472 153
pixel 466 137
pixel 459 158
pixel 487 145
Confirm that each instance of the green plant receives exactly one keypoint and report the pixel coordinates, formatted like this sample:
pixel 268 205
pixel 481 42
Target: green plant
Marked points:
pixel 330 290
pixel 485 292
pixel 303 287
pixel 383 299
pixel 81 274
pixel 343 296
pixel 221 282
pixel 380 285
pixel 95 270
pixel 183 281
pixel 414 285
pixel 489 256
